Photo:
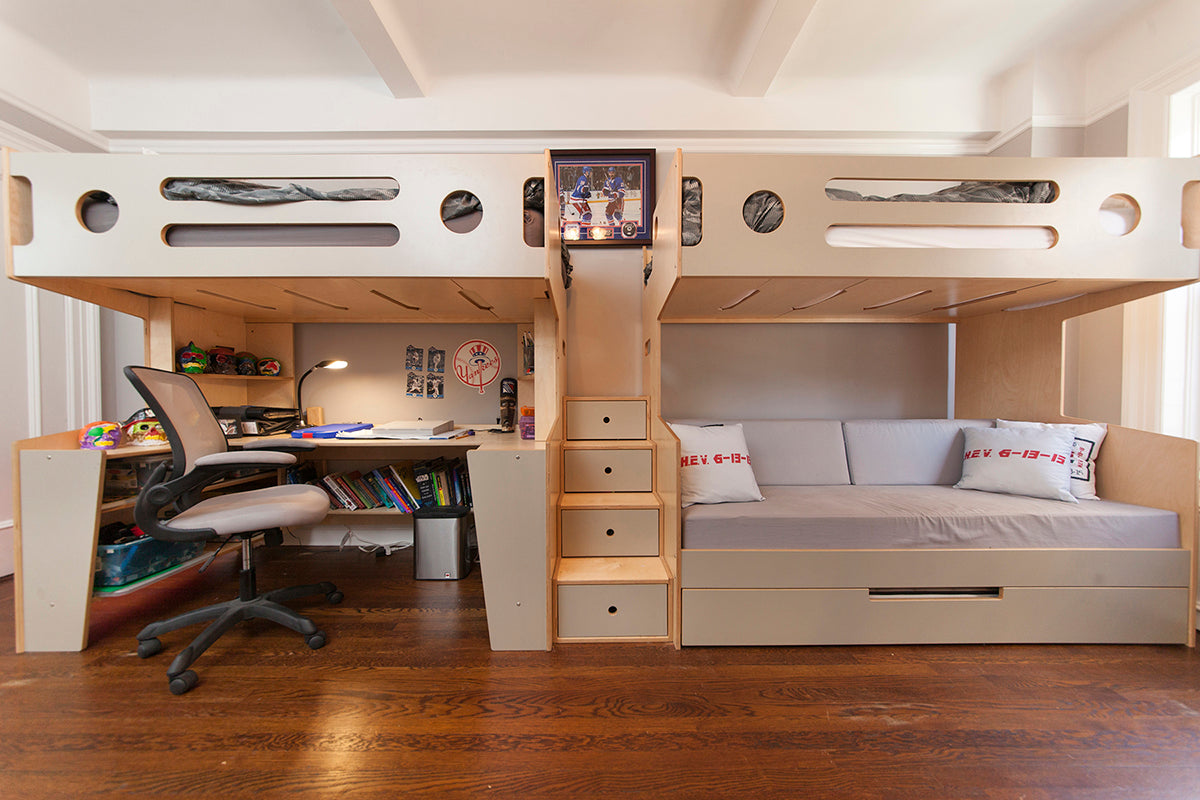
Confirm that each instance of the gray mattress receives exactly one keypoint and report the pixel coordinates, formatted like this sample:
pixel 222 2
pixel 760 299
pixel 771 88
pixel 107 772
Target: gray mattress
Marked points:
pixel 890 517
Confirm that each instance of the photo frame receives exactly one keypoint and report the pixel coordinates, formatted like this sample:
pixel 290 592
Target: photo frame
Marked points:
pixel 605 197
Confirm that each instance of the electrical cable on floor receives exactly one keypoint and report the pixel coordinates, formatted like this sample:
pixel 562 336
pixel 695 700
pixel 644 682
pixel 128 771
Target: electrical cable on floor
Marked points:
pixel 367 546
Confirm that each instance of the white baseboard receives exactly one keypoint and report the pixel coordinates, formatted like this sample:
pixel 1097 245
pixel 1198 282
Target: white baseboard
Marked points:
pixel 8 543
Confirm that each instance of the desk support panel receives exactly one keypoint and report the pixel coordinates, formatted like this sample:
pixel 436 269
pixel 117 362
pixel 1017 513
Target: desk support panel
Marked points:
pixel 509 488
pixel 59 494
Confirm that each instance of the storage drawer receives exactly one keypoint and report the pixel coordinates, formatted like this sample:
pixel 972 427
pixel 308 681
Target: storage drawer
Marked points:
pixel 609 532
pixel 608 470
pixel 619 609
pixel 606 419
pixel 854 616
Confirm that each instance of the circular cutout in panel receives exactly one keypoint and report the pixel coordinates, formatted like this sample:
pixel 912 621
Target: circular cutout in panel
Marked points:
pixel 763 211
pixel 97 211
pixel 1119 214
pixel 462 212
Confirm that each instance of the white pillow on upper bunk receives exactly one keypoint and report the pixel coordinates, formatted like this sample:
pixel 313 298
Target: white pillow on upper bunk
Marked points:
pixel 1088 438
pixel 714 465
pixel 1026 461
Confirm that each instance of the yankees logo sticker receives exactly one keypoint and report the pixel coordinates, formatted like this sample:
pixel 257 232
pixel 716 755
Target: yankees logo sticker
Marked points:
pixel 477 363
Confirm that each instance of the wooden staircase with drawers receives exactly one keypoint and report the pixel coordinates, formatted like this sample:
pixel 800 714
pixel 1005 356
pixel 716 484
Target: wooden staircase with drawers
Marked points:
pixel 612 582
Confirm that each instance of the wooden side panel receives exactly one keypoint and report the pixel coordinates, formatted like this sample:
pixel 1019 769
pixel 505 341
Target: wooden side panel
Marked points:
pixel 56 544
pixel 511 516
pixel 1010 363
pixel 663 277
pixel 666 476
pixel 549 371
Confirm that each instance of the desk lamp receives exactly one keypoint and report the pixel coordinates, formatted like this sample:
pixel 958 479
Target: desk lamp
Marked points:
pixel 326 364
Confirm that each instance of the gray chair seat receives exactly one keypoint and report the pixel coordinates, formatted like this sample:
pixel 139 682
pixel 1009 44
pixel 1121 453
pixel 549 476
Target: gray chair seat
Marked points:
pixel 271 507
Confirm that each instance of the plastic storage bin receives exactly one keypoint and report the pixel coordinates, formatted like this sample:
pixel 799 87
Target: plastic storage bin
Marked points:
pixel 119 564
pixel 441 542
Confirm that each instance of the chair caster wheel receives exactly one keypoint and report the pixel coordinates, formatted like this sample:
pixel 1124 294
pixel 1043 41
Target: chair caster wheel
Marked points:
pixel 315 641
pixel 335 597
pixel 149 647
pixel 183 682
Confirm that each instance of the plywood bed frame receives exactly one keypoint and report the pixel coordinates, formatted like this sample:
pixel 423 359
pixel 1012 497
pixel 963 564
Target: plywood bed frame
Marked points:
pixel 1009 307
pixel 233 290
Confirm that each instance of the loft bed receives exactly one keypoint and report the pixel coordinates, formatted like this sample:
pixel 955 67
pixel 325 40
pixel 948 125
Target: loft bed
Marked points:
pixel 234 241
pixel 851 243
pixel 177 226
pixel 236 250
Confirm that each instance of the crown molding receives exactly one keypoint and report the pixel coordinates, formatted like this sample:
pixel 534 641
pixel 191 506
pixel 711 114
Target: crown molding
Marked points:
pixel 34 129
pixel 817 142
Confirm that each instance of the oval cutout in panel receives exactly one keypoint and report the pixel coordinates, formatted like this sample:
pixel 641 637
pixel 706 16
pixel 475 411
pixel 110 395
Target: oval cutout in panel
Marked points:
pixel 97 211
pixel 763 211
pixel 533 217
pixel 898 190
pixel 1119 214
pixel 265 191
pixel 461 211
pixel 282 235
pixel 963 237
pixel 692 229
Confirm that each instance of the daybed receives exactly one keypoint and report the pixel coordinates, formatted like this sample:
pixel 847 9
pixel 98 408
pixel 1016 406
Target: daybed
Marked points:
pixel 863 538
pixel 838 254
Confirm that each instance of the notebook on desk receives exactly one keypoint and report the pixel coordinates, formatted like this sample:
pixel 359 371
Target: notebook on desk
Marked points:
pixel 404 429
pixel 329 431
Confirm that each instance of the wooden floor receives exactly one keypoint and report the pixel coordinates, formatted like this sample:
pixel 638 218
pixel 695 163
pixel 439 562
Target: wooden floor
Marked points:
pixel 407 700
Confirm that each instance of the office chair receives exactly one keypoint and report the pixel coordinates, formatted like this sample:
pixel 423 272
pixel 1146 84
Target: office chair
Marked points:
pixel 171 507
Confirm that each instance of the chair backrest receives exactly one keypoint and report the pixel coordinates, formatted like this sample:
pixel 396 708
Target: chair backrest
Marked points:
pixel 184 413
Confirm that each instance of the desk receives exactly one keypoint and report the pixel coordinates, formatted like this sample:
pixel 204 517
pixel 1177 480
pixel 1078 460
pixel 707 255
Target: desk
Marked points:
pixel 59 507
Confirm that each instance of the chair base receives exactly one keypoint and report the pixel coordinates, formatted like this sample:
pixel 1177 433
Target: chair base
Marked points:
pixel 223 616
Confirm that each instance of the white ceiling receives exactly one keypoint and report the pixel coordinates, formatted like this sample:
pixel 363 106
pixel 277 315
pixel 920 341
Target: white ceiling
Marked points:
pixel 155 70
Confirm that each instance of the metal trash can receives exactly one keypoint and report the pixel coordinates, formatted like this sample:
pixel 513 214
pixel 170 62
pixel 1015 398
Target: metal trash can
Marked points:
pixel 441 542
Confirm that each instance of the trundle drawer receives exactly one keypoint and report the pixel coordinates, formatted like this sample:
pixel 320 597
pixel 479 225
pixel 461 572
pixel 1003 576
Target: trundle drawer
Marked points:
pixel 619 609
pixel 609 532
pixel 606 419
pixel 1015 615
pixel 608 470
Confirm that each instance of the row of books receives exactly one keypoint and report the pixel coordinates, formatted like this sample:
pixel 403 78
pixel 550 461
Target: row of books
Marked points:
pixel 404 487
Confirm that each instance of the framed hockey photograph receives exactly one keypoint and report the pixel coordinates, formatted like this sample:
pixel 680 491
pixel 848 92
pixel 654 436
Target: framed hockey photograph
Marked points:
pixel 605 197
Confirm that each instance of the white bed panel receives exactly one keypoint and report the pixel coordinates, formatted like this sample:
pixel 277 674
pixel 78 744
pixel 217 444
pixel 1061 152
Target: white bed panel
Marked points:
pixel 61 246
pixel 1083 250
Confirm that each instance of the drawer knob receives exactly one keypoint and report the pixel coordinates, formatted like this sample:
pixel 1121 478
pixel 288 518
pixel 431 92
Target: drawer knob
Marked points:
pixel 608 470
pixel 606 420
pixel 609 532
pixel 612 609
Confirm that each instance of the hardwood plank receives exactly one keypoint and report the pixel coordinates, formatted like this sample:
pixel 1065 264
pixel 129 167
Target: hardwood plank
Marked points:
pixel 408 700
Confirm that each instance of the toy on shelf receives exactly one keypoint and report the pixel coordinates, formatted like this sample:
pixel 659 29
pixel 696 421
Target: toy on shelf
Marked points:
pixel 221 361
pixel 247 363
pixel 269 367
pixel 191 359
pixel 100 436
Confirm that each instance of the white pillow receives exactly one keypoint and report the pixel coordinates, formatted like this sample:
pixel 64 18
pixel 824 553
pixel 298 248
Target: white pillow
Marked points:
pixel 1030 462
pixel 1088 438
pixel 715 465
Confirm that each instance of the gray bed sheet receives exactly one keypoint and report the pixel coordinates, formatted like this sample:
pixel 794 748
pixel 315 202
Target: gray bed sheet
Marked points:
pixel 891 517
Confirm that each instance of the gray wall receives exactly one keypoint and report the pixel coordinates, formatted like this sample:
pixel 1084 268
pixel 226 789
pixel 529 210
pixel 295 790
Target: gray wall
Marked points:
pixel 810 370
pixel 373 388
pixel 1108 136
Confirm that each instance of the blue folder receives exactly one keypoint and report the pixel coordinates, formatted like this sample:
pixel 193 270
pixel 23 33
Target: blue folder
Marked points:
pixel 329 431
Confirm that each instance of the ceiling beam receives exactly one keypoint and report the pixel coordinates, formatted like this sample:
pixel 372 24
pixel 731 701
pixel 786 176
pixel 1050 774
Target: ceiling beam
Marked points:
pixel 386 41
pixel 771 29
